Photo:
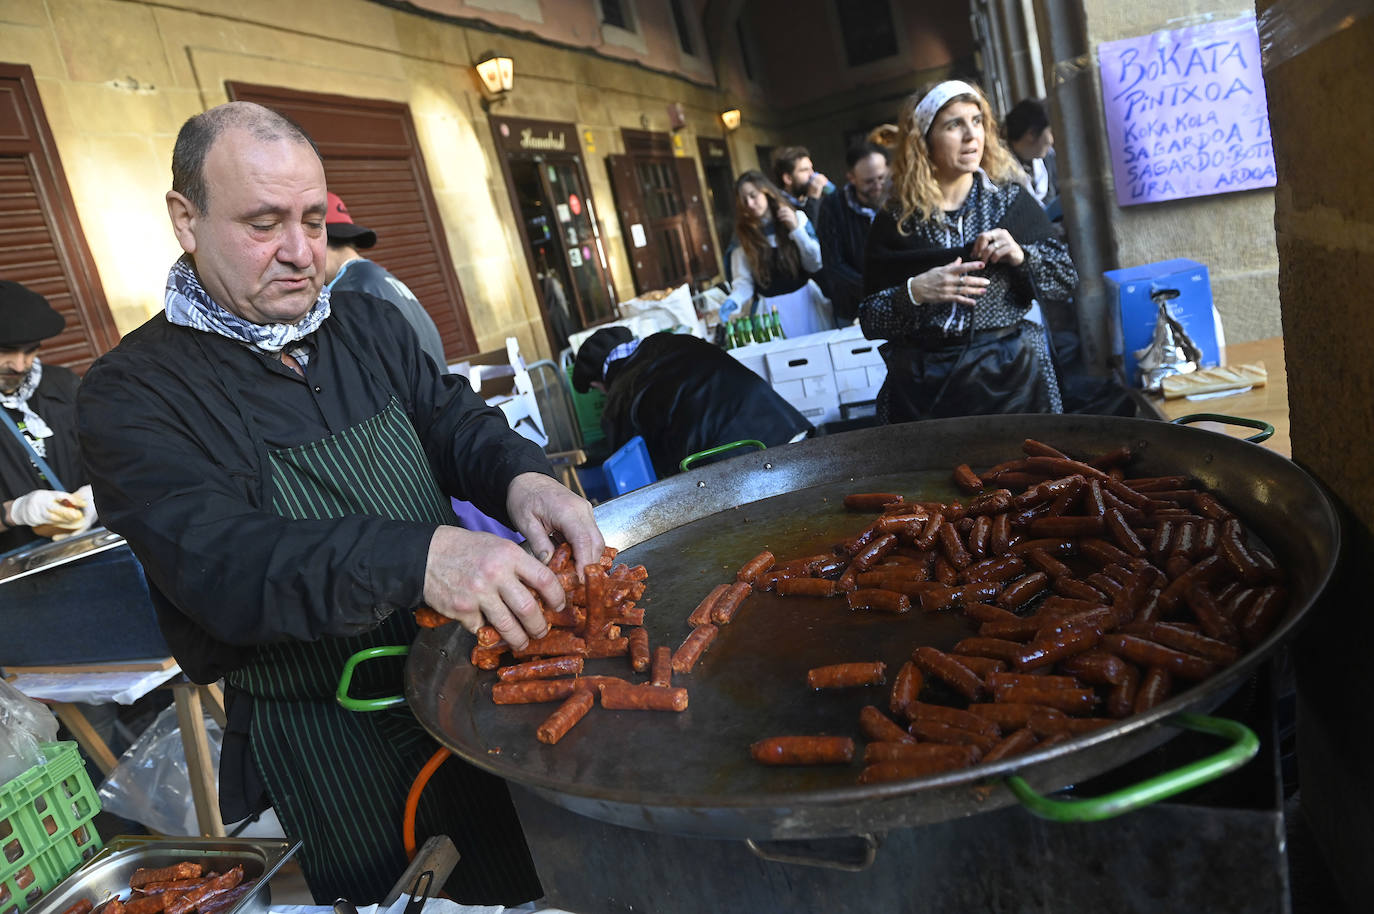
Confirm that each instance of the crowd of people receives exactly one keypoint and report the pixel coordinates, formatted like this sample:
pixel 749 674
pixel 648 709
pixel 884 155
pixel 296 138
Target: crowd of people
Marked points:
pixel 942 242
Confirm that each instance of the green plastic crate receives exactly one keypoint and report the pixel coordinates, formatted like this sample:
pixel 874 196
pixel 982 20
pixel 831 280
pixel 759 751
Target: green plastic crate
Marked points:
pixel 45 826
pixel 588 408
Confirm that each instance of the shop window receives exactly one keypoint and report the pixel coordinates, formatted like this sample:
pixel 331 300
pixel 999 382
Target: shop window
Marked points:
pixel 684 34
pixel 867 29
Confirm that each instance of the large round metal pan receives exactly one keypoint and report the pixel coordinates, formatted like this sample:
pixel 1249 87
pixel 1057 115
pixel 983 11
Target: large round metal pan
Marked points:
pixel 691 773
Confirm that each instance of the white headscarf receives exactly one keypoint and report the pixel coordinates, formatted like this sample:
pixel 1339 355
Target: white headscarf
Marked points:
pixel 937 98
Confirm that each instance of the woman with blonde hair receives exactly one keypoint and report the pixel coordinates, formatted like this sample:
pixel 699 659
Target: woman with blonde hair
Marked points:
pixel 777 253
pixel 954 263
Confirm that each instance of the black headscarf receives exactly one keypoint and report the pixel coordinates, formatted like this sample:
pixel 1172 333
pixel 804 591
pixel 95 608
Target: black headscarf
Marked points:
pixel 591 355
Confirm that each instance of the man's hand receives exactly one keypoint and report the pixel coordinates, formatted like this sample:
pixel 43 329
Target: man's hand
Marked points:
pixel 816 186
pixel 47 508
pixel 539 505
pixel 88 515
pixel 479 578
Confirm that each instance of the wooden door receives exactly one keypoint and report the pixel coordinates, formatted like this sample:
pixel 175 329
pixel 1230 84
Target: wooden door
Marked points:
pixel 634 224
pixel 701 253
pixel 41 243
pixel 373 161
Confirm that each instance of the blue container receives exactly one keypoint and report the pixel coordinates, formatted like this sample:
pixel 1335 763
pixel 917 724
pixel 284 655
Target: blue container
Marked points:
pixel 1137 312
pixel 629 468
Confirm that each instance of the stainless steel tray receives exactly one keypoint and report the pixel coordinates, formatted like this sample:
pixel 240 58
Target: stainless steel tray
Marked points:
pixel 106 875
pixel 45 555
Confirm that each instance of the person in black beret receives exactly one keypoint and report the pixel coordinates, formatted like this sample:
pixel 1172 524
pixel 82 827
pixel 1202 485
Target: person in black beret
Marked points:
pixel 43 487
pixel 681 394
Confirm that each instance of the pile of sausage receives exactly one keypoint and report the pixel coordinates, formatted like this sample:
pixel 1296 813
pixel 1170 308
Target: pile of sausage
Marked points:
pixel 1093 595
pixel 177 889
pixel 599 619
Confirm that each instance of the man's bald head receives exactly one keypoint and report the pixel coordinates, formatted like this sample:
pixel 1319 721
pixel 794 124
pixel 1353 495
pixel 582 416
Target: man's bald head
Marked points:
pixel 200 132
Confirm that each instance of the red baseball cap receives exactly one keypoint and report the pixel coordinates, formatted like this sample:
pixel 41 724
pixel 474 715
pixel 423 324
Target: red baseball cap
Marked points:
pixel 339 225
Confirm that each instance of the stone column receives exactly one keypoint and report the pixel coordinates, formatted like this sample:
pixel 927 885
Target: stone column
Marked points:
pixel 1322 122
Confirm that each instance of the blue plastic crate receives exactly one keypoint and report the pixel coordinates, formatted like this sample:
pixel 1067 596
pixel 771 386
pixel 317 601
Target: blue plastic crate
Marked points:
pixel 629 468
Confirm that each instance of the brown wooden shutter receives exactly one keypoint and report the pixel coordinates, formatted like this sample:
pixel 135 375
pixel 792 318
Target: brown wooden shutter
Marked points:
pixel 373 161
pixel 41 244
pixel 644 265
pixel 702 261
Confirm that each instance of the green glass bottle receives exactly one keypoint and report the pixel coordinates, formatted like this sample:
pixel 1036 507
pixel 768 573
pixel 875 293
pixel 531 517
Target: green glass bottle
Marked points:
pixel 760 333
pixel 775 322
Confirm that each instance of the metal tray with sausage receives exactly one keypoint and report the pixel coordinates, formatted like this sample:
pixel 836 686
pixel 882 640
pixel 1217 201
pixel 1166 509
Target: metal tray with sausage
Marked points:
pixel 692 774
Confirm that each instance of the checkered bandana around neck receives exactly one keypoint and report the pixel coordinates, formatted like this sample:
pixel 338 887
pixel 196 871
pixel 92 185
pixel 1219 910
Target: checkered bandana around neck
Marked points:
pixel 189 305
pixel 38 429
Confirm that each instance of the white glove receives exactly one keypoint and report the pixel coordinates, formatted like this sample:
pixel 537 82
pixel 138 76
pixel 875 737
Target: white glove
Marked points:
pixel 47 507
pixel 88 515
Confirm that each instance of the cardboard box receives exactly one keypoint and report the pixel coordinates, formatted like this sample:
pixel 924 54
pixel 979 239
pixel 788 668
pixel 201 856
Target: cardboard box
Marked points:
pixel 1136 312
pixel 859 368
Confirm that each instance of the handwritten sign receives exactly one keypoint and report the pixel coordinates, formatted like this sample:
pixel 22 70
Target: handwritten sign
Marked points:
pixel 1186 112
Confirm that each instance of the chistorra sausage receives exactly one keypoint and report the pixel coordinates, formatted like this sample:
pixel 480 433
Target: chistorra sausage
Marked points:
pixel 184 870
pixel 617 697
pixel 661 672
pixel 639 650
pixel 803 750
pixel 226 880
pixel 730 602
pixel 870 501
pixel 551 668
pixel 878 727
pixel 532 691
pixel 847 675
pixel 937 663
pixel 702 614
pixel 755 567
pixel 557 724
pixel 692 647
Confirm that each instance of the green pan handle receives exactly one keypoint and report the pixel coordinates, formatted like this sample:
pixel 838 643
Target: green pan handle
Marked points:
pixel 346 679
pixel 718 449
pixel 1243 748
pixel 1266 431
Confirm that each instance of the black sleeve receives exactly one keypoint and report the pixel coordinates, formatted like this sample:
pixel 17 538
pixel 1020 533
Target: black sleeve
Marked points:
pixel 843 283
pixel 174 474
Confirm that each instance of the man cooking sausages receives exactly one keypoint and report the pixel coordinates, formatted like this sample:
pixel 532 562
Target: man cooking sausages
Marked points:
pixel 42 480
pixel 280 461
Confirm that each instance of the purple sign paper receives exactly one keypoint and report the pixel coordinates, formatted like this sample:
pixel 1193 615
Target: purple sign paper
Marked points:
pixel 1186 112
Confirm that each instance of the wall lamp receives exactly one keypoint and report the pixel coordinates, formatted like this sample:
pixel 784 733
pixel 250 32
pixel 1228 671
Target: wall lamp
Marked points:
pixel 730 118
pixel 496 73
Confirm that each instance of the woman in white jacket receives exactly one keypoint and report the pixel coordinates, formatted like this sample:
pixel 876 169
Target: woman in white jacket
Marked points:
pixel 775 258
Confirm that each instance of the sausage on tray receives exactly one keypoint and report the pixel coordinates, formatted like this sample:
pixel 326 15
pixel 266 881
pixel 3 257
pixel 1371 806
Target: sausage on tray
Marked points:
pixel 803 750
pixel 626 697
pixel 692 647
pixel 557 724
pixel 847 675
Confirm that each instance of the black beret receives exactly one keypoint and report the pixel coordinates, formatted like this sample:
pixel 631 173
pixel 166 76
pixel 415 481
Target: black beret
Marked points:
pixel 591 355
pixel 25 316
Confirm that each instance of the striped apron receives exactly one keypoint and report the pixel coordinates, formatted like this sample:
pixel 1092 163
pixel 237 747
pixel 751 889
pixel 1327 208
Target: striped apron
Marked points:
pixel 337 779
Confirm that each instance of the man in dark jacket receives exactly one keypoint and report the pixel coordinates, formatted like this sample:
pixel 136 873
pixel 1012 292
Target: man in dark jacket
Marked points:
pixel 280 460
pixel 844 223
pixel 681 394
pixel 43 491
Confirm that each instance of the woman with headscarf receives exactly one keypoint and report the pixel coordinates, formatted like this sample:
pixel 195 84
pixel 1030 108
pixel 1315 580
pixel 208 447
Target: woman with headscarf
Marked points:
pixel 953 265
pixel 776 254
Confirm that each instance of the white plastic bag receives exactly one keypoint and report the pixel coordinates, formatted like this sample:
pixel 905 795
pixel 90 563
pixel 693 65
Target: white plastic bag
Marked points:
pixel 24 723
pixel 150 785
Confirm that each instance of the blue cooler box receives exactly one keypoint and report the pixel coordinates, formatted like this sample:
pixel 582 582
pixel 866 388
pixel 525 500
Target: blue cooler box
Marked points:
pixel 1136 312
